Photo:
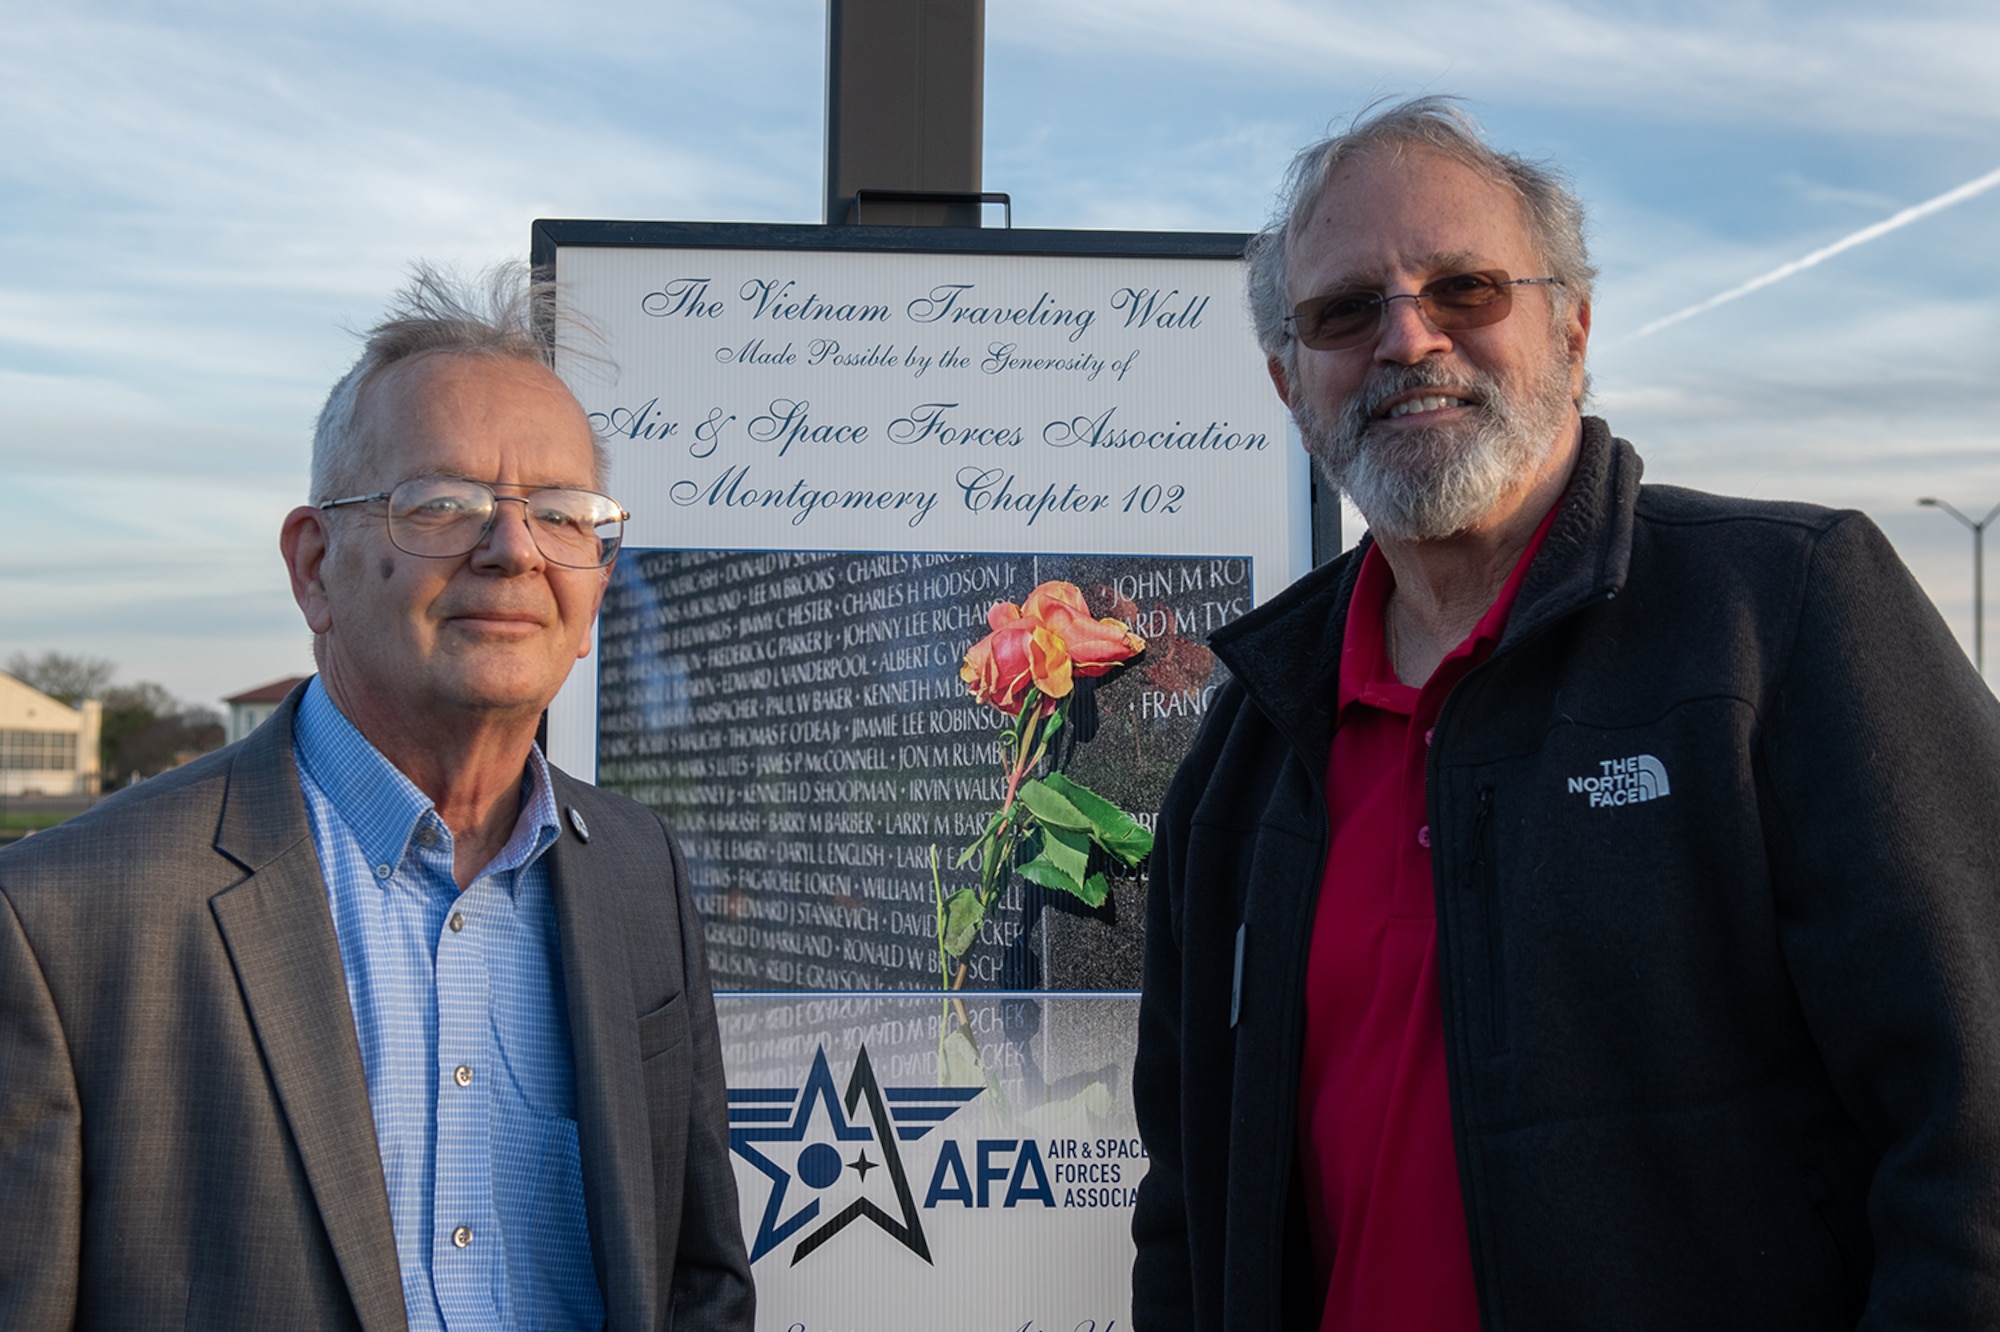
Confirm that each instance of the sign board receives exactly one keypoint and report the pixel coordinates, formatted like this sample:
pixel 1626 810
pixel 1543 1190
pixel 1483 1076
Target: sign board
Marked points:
pixel 878 1194
pixel 841 447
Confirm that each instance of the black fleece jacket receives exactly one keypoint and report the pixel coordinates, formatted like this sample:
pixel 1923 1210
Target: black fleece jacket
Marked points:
pixel 1716 841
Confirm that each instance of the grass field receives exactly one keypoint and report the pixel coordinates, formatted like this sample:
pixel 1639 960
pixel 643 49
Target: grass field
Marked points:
pixel 21 820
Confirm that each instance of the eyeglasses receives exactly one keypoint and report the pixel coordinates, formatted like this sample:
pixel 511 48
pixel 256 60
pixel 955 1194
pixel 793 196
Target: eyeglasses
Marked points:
pixel 1342 319
pixel 443 517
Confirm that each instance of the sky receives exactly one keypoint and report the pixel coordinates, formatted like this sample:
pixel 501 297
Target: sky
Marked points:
pixel 204 200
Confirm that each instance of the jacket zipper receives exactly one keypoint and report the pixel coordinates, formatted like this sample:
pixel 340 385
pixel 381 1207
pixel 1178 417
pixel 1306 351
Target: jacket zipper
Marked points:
pixel 1478 876
pixel 1476 1217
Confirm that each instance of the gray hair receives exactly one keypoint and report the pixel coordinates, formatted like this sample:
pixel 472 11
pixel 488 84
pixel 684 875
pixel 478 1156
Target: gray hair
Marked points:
pixel 505 313
pixel 1554 213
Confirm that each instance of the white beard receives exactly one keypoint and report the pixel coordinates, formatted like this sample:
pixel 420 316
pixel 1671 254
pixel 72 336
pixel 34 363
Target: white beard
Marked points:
pixel 1430 482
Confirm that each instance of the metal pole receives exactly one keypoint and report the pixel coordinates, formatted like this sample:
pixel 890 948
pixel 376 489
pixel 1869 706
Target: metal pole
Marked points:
pixel 1978 531
pixel 905 106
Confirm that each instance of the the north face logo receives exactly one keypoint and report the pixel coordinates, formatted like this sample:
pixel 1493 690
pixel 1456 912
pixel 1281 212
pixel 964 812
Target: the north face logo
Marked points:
pixel 1625 781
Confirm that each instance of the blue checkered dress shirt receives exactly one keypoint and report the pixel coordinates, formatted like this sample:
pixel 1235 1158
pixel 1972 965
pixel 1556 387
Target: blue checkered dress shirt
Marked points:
pixel 458 1002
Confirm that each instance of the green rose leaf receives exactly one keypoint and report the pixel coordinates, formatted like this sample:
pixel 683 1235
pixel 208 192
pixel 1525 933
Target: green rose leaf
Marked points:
pixel 1062 862
pixel 962 915
pixel 1052 807
pixel 979 847
pixel 1067 850
pixel 1046 874
pixel 1091 891
pixel 1110 827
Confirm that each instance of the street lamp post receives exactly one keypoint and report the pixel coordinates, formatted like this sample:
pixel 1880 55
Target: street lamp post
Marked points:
pixel 1978 531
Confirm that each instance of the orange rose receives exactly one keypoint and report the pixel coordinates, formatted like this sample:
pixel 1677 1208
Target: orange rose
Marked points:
pixel 1019 653
pixel 1094 646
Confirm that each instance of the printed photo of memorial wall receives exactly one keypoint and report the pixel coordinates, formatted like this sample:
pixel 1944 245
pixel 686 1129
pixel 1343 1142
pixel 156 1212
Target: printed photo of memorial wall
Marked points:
pixel 857 813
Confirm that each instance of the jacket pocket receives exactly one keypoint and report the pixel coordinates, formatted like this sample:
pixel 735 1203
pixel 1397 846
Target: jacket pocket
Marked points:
pixel 664 1028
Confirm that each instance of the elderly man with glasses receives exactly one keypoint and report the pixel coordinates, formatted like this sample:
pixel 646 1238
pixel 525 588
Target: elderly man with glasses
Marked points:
pixel 375 1018
pixel 1582 911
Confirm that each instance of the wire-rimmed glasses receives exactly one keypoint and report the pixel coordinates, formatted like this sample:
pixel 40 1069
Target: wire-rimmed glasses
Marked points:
pixel 443 517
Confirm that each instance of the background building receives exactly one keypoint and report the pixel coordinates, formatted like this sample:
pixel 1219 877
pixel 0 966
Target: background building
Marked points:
pixel 248 710
pixel 46 746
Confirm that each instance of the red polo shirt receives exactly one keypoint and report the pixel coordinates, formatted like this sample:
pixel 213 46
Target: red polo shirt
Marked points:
pixel 1375 1145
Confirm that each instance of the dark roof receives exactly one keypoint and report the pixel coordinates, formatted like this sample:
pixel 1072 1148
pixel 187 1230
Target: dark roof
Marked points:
pixel 273 692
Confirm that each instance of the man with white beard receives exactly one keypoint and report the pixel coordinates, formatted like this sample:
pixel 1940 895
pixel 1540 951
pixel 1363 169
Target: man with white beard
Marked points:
pixel 1580 909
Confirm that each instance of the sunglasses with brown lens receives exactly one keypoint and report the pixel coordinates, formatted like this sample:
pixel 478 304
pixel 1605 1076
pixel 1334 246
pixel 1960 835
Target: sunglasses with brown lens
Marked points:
pixel 1342 319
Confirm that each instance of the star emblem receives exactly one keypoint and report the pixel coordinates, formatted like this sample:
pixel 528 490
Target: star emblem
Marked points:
pixel 789 1135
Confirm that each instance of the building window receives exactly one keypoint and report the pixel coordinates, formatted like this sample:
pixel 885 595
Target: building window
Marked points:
pixel 37 751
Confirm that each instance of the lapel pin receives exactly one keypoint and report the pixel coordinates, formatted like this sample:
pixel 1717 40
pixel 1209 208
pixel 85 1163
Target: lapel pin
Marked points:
pixel 576 822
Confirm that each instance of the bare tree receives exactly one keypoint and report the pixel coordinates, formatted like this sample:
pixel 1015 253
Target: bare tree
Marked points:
pixel 61 676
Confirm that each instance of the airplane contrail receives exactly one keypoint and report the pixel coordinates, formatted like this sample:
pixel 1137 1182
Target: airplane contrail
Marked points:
pixel 1882 228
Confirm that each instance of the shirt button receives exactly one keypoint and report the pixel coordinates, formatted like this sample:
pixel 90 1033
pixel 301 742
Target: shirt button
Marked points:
pixel 1428 734
pixel 383 871
pixel 457 921
pixel 427 836
pixel 462 1075
pixel 462 1236
pixel 1424 836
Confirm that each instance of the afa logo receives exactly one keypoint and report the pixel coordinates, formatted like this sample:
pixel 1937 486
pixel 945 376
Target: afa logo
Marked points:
pixel 814 1145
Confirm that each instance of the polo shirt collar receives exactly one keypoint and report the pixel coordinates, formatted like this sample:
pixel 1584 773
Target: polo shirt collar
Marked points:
pixel 1367 677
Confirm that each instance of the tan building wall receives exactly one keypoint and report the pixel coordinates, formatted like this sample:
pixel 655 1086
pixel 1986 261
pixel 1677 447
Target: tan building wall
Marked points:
pixel 46 746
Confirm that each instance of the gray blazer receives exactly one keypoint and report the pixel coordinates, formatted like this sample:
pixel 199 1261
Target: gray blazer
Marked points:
pixel 185 1136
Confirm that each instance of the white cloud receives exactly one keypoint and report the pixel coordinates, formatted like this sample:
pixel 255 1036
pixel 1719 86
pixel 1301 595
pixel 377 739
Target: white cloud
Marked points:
pixel 1871 202
pixel 1827 67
